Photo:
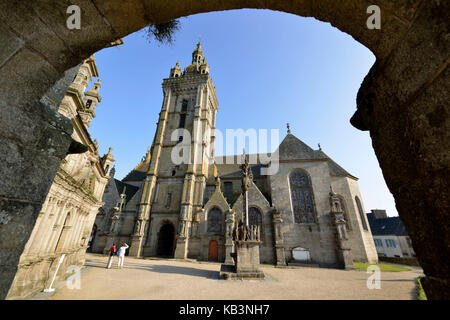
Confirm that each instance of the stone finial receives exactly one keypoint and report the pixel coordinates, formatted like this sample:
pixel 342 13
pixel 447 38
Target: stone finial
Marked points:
pixel 320 148
pixel 147 155
pixel 288 128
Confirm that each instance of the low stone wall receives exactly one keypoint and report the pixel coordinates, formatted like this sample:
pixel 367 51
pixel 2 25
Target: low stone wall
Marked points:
pixel 406 261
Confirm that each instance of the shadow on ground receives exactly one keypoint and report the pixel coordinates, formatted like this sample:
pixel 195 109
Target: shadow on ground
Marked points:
pixel 208 274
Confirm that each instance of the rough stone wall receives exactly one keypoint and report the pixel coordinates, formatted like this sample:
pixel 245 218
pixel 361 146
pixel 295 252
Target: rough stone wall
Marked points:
pixel 319 237
pixel 34 138
pixel 403 102
pixel 68 212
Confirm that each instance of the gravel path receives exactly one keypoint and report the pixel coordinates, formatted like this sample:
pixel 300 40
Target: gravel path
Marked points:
pixel 173 279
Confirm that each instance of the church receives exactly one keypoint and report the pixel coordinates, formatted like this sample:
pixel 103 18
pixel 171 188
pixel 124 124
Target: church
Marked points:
pixel 187 210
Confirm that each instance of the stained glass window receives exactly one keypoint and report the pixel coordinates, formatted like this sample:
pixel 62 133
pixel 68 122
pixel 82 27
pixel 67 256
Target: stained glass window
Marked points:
pixel 361 213
pixel 214 220
pixel 302 198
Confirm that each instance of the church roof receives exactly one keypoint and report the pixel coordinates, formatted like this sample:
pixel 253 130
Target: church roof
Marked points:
pixel 337 170
pixel 135 175
pixel 292 148
pixel 129 191
pixel 236 170
pixel 140 171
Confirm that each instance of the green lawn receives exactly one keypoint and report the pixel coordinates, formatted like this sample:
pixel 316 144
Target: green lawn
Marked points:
pixel 420 292
pixel 383 267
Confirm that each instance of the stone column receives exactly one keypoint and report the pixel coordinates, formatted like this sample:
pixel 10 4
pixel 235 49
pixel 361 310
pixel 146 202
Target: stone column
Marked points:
pixel 137 239
pixel 229 244
pixel 343 247
pixel 181 249
pixel 279 239
pixel 58 218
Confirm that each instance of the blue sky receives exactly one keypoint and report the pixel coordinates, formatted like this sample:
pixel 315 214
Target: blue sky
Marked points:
pixel 268 67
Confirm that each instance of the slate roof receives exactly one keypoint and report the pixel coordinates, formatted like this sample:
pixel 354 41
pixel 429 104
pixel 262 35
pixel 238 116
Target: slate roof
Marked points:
pixel 292 148
pixel 135 175
pixel 386 226
pixel 130 190
pixel 139 172
pixel 237 173
pixel 337 170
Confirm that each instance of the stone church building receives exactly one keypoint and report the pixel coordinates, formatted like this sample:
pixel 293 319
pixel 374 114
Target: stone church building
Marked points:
pixel 186 210
pixel 64 224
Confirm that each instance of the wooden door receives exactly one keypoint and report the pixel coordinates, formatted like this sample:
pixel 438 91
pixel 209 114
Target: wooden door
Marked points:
pixel 213 252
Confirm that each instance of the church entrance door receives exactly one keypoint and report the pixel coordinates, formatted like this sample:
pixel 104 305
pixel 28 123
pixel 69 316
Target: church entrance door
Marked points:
pixel 165 240
pixel 213 252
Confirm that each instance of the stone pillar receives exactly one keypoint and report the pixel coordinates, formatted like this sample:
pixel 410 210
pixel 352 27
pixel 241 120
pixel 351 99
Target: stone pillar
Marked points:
pixel 342 244
pixel 137 239
pixel 247 256
pixel 55 218
pixel 184 225
pixel 279 239
pixel 229 244
pixel 181 248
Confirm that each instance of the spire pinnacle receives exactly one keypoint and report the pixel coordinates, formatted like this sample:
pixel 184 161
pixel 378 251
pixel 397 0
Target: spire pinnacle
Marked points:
pixel 288 128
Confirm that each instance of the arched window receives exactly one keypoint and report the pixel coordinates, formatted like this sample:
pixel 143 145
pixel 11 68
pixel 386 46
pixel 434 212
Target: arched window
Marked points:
pixel 182 121
pixel 344 209
pixel 184 105
pixel 214 221
pixel 361 213
pixel 255 217
pixel 302 198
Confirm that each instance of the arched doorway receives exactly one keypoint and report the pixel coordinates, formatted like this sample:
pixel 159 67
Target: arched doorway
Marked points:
pixel 213 251
pixel 165 240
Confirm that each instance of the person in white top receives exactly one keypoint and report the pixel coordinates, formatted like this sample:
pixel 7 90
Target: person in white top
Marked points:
pixel 121 254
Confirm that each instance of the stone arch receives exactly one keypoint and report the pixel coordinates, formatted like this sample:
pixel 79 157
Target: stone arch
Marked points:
pixel 166 239
pixel 402 100
pixel 302 196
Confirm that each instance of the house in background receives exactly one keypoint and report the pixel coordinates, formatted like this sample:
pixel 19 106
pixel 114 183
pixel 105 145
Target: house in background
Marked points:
pixel 389 235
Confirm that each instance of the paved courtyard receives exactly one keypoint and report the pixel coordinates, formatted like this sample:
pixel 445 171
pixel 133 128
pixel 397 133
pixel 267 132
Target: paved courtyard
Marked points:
pixel 173 279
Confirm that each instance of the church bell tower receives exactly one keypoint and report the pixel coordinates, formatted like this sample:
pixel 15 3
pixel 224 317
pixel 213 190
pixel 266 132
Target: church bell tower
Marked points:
pixel 172 193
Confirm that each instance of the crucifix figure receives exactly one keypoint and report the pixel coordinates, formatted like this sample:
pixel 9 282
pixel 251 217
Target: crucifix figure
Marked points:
pixel 245 184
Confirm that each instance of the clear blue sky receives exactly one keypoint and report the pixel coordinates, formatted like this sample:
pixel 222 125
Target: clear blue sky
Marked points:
pixel 268 67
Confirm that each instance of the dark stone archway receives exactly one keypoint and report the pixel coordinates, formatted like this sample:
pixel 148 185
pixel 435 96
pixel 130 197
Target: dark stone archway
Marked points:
pixel 166 239
pixel 403 102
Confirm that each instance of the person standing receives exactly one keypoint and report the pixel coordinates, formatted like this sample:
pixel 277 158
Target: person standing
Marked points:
pixel 121 255
pixel 112 253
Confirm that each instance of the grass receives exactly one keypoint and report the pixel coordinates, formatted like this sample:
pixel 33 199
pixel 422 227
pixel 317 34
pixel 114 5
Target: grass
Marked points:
pixel 420 292
pixel 383 267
